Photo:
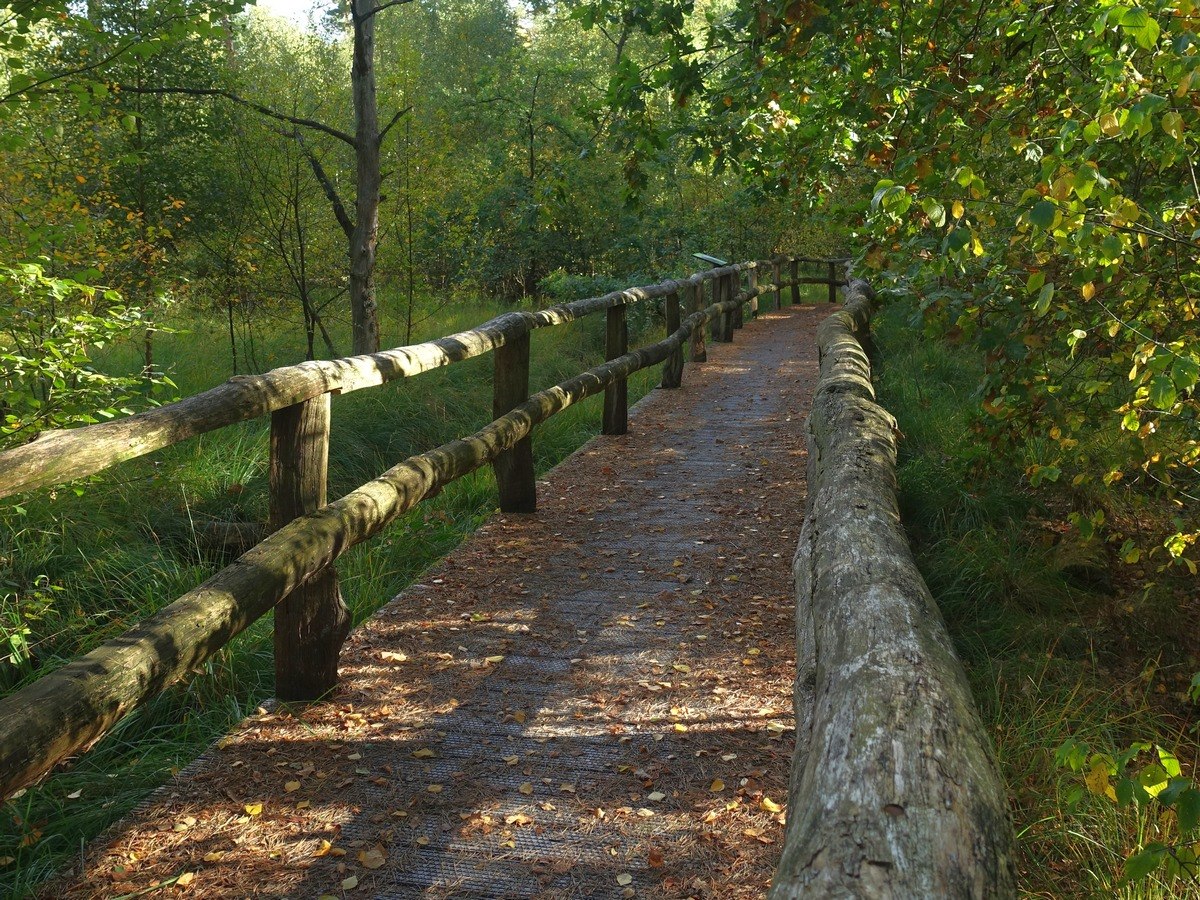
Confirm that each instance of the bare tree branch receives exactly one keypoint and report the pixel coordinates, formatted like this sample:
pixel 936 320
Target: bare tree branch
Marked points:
pixel 339 208
pixel 380 8
pixel 396 118
pixel 241 101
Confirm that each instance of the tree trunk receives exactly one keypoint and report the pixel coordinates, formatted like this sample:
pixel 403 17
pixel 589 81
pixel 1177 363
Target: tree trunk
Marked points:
pixel 363 310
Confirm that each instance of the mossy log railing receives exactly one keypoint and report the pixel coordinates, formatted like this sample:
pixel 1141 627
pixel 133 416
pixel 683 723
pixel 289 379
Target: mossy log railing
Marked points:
pixel 894 791
pixel 291 570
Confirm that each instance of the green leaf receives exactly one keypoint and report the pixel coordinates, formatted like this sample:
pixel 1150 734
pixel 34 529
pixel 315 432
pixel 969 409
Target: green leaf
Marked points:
pixel 1162 392
pixel 1142 864
pixel 1172 124
pixel 1140 26
pixel 1185 372
pixel 1045 295
pixel 1043 213
pixel 1187 808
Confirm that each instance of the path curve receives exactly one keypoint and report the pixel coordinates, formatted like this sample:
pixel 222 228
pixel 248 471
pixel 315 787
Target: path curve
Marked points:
pixel 594 700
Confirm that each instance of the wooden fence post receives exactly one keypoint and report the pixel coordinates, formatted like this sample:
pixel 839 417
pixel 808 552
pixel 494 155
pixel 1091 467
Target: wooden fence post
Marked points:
pixel 718 294
pixel 752 284
pixel 795 281
pixel 616 395
pixel 833 279
pixel 515 480
pixel 312 622
pixel 726 319
pixel 778 273
pixel 699 352
pixel 672 375
pixel 736 316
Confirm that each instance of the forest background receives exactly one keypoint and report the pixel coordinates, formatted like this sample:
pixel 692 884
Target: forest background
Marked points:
pixel 188 193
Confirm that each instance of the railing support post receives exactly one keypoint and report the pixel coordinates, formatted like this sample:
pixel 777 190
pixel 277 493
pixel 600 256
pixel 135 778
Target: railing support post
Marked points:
pixel 752 284
pixel 833 280
pixel 795 269
pixel 672 375
pixel 515 480
pixel 312 622
pixel 616 395
pixel 699 351
pixel 737 316
pixel 726 318
pixel 777 267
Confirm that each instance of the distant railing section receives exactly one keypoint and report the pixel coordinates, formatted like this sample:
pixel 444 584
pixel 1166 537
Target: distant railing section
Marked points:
pixel 291 571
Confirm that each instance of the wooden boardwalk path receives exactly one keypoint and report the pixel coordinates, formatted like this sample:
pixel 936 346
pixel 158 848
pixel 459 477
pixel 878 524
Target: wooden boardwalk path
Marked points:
pixel 594 700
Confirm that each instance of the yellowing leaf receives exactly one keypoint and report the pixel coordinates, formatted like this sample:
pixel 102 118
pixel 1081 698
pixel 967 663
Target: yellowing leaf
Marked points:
pixel 717 785
pixel 349 884
pixel 185 879
pixel 511 760
pixel 766 804
pixel 526 788
pixel 422 841
pixel 1088 291
pixel 434 789
pixel 656 796
pixel 389 656
pixel 624 878
pixel 372 858
pixel 291 787
pixel 423 753
pixel 957 209
pixel 253 809
pixel 1097 780
pixel 324 849
pixel 495 659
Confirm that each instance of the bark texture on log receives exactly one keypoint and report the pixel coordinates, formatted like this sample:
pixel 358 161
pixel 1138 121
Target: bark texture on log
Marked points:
pixel 68 710
pixel 894 792
pixel 58 456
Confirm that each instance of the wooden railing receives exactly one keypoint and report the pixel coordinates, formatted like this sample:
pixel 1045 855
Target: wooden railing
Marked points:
pixel 895 790
pixel 292 571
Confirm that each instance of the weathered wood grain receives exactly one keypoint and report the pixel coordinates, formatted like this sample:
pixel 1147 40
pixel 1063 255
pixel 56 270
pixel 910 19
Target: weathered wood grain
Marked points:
pixel 516 482
pixel 895 792
pixel 312 622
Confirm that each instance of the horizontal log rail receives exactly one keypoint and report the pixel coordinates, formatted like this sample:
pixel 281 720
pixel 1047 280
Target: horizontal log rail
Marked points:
pixel 895 791
pixel 58 456
pixel 291 570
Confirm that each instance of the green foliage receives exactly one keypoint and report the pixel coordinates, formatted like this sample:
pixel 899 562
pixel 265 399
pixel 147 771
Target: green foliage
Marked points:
pixel 50 329
pixel 1145 776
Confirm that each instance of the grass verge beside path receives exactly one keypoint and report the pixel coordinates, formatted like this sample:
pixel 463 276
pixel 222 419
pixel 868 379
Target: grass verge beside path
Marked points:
pixel 80 569
pixel 1058 639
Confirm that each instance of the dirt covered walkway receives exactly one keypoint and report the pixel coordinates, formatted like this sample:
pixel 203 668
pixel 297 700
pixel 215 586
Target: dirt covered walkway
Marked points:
pixel 592 701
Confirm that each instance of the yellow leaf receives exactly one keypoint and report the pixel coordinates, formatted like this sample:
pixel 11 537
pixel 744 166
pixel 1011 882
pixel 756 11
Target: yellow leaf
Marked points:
pixel 680 727
pixel 526 788
pixel 291 786
pixel 349 884
pixel 324 849
pixel 372 858
pixel 512 760
pixel 422 841
pixel 304 804
pixel 185 879
pixel 213 856
pixel 495 659
pixel 957 209
pixel 624 878
pixel 389 656
pixel 717 785
pixel 769 805
pixel 434 789
pixel 423 753
pixel 253 809
pixel 519 718
pixel 1088 291
pixel 1097 780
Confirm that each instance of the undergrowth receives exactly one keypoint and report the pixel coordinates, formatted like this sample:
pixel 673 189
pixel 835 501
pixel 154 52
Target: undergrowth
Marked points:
pixel 1061 641
pixel 81 564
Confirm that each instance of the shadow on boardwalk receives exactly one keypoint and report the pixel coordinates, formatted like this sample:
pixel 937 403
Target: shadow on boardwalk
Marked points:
pixel 594 700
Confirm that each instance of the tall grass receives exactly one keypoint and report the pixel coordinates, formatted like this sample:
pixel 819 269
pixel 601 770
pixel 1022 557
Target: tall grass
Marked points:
pixel 82 568
pixel 1045 648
